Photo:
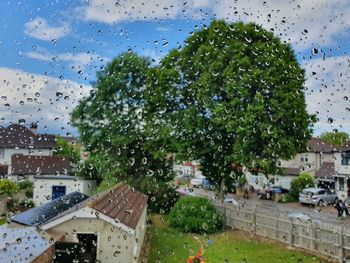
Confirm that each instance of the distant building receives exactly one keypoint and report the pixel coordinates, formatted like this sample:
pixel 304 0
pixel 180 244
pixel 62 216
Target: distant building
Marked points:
pixel 18 139
pixel 108 227
pixel 50 187
pixel 28 166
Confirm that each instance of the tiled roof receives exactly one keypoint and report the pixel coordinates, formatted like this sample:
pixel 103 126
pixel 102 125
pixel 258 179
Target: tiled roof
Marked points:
pixel 121 203
pixel 291 170
pixel 20 136
pixel 25 165
pixel 326 171
pixel 318 145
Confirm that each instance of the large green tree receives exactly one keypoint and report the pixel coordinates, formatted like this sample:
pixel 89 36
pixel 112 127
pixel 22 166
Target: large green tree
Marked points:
pixel 335 138
pixel 63 148
pixel 111 123
pixel 232 94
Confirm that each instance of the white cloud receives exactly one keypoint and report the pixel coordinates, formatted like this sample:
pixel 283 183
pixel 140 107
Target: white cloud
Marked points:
pixel 40 29
pixel 76 61
pixel 39 98
pixel 324 20
pixel 112 11
pixel 328 93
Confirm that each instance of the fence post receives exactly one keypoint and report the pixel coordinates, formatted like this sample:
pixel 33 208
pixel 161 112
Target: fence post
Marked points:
pixel 341 244
pixel 291 234
pixel 254 220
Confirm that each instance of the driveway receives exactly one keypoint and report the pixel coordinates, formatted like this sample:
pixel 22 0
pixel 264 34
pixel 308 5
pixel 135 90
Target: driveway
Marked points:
pixel 324 214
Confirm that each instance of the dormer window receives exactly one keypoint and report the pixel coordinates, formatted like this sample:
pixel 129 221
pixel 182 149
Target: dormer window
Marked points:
pixel 345 158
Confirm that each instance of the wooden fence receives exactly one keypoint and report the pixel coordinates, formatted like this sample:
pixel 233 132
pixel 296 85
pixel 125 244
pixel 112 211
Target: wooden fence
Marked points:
pixel 330 240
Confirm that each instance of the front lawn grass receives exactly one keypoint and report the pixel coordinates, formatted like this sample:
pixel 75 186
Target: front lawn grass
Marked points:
pixel 232 246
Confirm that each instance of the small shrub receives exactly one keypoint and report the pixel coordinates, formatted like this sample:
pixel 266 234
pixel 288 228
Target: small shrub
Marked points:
pixel 297 185
pixel 8 187
pixel 288 198
pixel 162 196
pixel 195 215
pixel 26 204
pixel 29 193
pixel 25 184
pixel 12 205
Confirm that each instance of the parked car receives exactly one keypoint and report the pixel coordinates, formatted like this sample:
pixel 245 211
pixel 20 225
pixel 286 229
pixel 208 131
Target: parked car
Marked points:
pixel 207 185
pixel 230 200
pixel 317 196
pixel 269 192
pixel 198 181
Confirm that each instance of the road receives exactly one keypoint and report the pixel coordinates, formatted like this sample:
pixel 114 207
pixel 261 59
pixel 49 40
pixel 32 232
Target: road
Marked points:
pixel 326 214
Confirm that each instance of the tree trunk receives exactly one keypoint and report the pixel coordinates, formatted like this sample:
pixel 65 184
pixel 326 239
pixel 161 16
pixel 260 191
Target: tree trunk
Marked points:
pixel 222 192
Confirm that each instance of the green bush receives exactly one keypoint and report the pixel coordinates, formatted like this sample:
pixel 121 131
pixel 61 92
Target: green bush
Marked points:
pixel 8 187
pixel 195 215
pixel 12 205
pixel 304 180
pixel 26 204
pixel 29 193
pixel 25 184
pixel 288 198
pixel 162 196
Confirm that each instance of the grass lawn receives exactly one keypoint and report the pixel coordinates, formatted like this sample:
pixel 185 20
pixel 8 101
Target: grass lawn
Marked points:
pixel 3 221
pixel 169 246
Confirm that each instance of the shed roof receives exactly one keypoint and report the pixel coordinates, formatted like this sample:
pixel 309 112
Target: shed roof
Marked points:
pixel 122 203
pixel 42 214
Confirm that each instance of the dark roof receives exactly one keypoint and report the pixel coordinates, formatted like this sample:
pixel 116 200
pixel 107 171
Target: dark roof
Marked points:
pixel 39 215
pixel 318 145
pixel 122 203
pixel 326 171
pixel 291 171
pixel 32 164
pixel 20 136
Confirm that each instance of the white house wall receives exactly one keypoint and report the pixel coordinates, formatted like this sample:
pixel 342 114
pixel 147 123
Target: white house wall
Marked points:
pixel 42 192
pixel 114 245
pixel 311 165
pixel 339 168
pixel 139 236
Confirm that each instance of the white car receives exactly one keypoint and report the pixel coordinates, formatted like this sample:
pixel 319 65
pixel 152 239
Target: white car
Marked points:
pixel 198 181
pixel 230 200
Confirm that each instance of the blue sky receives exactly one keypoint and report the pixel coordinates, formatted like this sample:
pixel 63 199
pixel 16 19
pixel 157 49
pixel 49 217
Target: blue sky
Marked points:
pixel 49 48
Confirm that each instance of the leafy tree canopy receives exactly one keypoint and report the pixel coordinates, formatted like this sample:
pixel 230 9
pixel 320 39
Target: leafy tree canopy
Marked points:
pixel 232 94
pixel 63 148
pixel 335 138
pixel 111 123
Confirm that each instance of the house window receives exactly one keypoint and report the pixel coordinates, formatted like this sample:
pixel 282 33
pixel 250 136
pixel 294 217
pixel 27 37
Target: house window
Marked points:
pixel 2 153
pixel 345 158
pixel 341 184
pixel 304 158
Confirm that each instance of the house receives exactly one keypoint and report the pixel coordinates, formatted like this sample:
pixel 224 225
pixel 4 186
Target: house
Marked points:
pixel 28 166
pixel 318 152
pixel 108 227
pixel 342 171
pixel 50 187
pixel 18 139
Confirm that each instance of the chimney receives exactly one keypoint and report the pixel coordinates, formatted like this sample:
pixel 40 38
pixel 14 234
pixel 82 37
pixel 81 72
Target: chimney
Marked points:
pixel 33 127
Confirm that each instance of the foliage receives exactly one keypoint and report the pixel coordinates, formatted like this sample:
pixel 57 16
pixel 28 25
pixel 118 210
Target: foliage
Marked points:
pixel 170 246
pixel 304 180
pixel 25 184
pixel 8 187
pixel 195 215
pixel 65 149
pixel 232 94
pixel 14 205
pixel 106 184
pixel 335 138
pixel 162 196
pixel 29 193
pixel 89 169
pixel 288 198
pixel 111 123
